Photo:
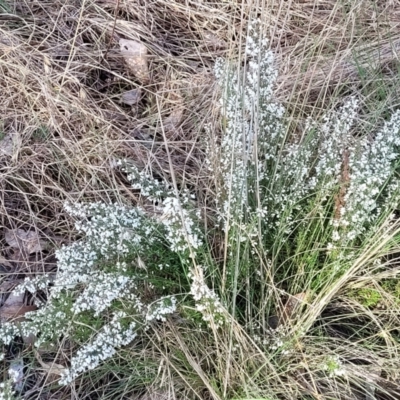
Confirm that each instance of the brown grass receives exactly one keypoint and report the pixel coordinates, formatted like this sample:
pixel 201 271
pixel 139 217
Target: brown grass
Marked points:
pixel 62 76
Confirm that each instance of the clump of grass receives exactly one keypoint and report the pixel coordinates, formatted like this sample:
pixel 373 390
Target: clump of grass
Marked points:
pixel 368 297
pixel 304 216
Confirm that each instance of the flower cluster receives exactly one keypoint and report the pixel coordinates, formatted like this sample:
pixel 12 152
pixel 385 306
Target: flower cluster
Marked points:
pixel 6 390
pixel 256 156
pixel 207 301
pixel 334 139
pixel 111 231
pixel 177 214
pixel 93 273
pixel 32 285
pixel 7 333
pixel 232 153
pixel 182 230
pixel 101 290
pixel 182 233
pixel 161 308
pixel 253 156
pixel 149 187
pixel 334 366
pixel 47 323
pixel 371 165
pixel 104 345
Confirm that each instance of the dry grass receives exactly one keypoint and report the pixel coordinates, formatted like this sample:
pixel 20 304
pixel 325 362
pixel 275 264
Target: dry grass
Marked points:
pixel 61 79
pixel 63 76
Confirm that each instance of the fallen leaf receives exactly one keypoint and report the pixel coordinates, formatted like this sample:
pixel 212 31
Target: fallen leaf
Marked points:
pixel 4 261
pixel 20 239
pixel 52 369
pixel 14 300
pixel 131 97
pixel 30 339
pixel 172 122
pixel 7 145
pixel 135 55
pixel 15 313
pixel 6 286
pixel 292 306
pixel 14 308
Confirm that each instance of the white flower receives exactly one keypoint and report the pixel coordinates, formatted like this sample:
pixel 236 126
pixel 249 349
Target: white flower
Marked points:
pixel 178 216
pixel 101 290
pixel 161 308
pixel 32 285
pixel 104 345
pixel 207 301
pixel 6 390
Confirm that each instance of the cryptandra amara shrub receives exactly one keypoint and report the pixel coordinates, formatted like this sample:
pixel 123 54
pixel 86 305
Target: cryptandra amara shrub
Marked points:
pixel 298 209
pixel 268 183
pixel 257 153
pixel 106 270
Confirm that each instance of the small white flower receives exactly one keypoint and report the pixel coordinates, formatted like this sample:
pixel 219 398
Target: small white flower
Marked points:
pixel 104 345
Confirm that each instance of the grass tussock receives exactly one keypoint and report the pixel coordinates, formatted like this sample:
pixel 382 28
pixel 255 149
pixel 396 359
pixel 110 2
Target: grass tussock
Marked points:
pixel 269 305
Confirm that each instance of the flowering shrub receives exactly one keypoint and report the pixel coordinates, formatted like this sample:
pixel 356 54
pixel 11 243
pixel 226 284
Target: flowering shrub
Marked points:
pixel 121 251
pixel 112 336
pixel 270 178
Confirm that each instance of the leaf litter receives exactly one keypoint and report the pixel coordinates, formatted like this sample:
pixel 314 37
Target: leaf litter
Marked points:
pixel 23 243
pixel 131 97
pixel 135 55
pixel 7 145
pixel 51 369
pixel 26 241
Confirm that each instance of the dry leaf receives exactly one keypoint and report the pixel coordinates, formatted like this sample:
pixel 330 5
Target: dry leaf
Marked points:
pixel 292 306
pixel 15 312
pixel 14 308
pixel 14 300
pixel 7 145
pixel 29 340
pixel 7 286
pixel 172 122
pixel 53 370
pixel 4 261
pixel 131 97
pixel 135 55
pixel 26 241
